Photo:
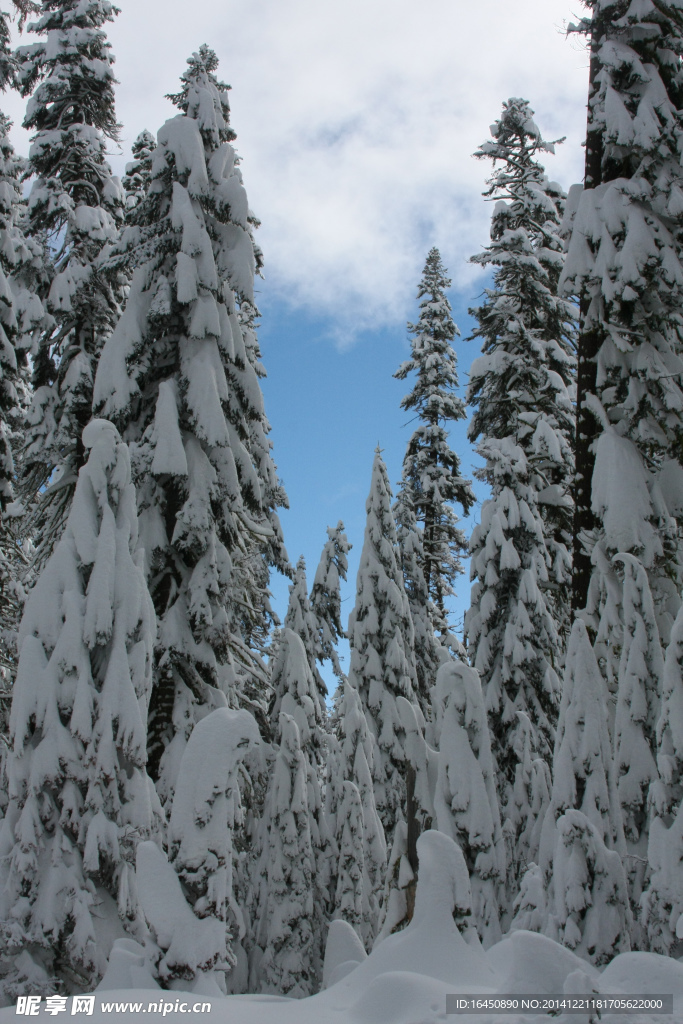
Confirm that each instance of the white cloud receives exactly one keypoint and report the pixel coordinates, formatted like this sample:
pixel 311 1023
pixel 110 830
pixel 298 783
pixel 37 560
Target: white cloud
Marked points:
pixel 356 123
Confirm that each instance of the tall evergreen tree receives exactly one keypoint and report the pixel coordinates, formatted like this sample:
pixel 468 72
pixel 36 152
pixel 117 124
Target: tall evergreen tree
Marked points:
pixel 381 638
pixel 411 554
pixel 465 800
pixel 325 596
pixel 624 265
pixel 20 312
pixel 637 712
pixel 582 841
pixel 76 205
pixel 520 389
pixel 178 379
pixel 301 619
pixel 358 830
pixel 80 798
pixel 289 937
pixel 207 812
pixel 431 469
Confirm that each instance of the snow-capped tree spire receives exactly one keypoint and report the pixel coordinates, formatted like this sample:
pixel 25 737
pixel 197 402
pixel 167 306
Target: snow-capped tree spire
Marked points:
pixel 520 390
pixel 301 619
pixel 178 379
pixel 136 180
pixel 325 596
pixel 431 469
pixel 76 204
pixel 382 639
pixel 79 795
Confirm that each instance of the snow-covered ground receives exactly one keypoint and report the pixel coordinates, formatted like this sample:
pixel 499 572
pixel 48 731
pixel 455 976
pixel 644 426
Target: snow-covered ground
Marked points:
pixel 408 976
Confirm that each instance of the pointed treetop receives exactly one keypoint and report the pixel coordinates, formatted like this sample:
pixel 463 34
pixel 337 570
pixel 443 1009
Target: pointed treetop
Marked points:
pixel 75 57
pixel 203 97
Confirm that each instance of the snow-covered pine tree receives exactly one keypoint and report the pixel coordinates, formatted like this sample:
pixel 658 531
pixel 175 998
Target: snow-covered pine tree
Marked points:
pixel 662 903
pixel 207 810
pixel 381 637
pixel 20 308
pixel 295 691
pixel 431 469
pixel 176 377
pixel 297 696
pixel 582 840
pixel 136 180
pixel 624 265
pixel 326 598
pixel 76 206
pixel 301 619
pixel 637 712
pixel 288 958
pixel 253 565
pixel 79 795
pixel 411 554
pixel 361 844
pixel 520 391
pixel 465 798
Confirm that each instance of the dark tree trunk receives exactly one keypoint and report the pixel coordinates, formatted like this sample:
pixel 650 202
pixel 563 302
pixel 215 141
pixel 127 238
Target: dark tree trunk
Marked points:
pixel 590 340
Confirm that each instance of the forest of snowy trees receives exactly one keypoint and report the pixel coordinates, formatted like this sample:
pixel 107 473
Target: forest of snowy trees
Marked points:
pixel 178 789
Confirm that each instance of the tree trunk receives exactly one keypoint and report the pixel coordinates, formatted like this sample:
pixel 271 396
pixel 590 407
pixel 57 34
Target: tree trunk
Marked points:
pixel 590 339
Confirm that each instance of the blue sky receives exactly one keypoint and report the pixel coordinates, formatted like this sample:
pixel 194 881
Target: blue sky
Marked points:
pixel 330 407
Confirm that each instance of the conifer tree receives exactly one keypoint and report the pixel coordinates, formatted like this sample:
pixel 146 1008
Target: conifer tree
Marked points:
pixel 524 383
pixel 411 554
pixel 289 960
pixel 431 470
pixel 20 310
pixel 382 638
pixel 136 180
pixel 261 553
pixel 177 378
pixel 662 903
pixel 13 397
pixel 361 843
pixel 297 700
pixel 301 619
pixel 582 841
pixel 520 390
pixel 638 705
pixel 207 811
pixel 79 794
pixel 295 691
pixel 465 800
pixel 76 206
pixel 325 596
pixel 624 266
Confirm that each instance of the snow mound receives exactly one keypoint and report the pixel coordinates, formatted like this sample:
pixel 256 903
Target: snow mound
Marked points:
pixel 127 969
pixel 399 997
pixel 343 951
pixel 527 962
pixel 431 945
pixel 647 974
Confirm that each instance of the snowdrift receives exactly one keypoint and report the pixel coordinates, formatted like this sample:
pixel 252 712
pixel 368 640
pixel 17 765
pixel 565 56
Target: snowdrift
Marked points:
pixel 406 978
